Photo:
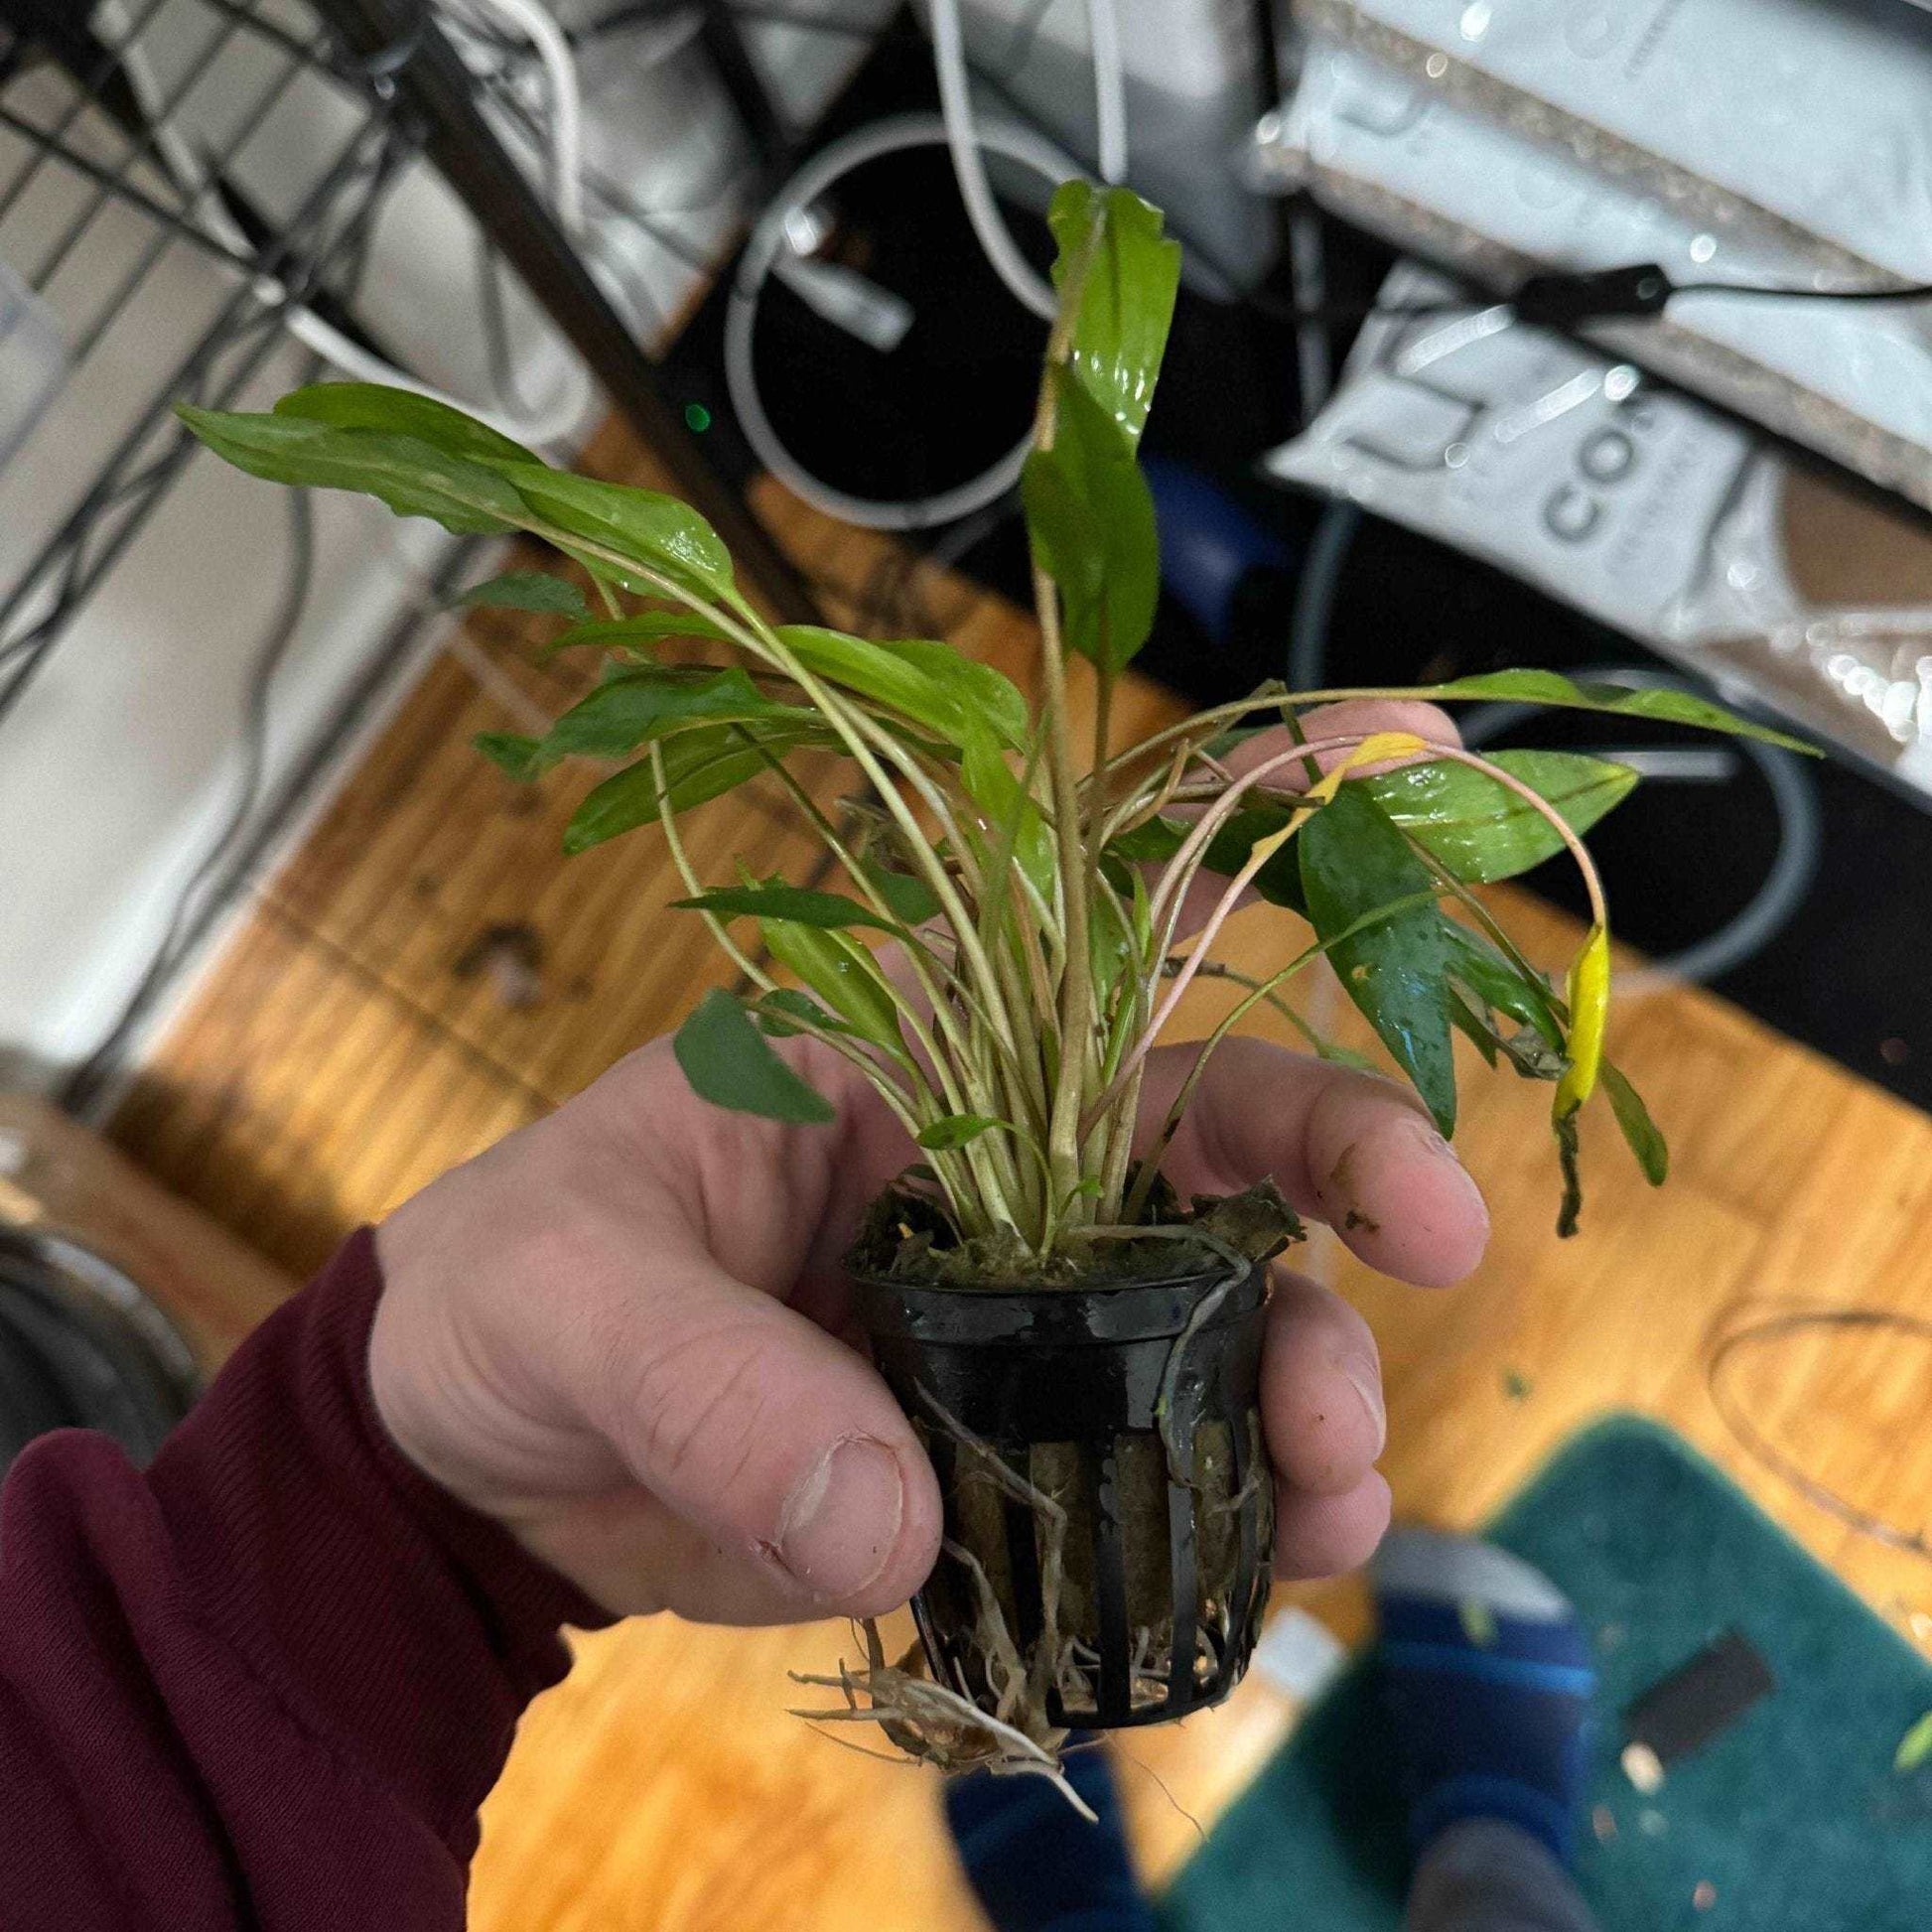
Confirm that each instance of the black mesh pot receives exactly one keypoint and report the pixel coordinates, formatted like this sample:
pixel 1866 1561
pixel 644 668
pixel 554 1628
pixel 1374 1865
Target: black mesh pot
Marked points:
pixel 1131 1414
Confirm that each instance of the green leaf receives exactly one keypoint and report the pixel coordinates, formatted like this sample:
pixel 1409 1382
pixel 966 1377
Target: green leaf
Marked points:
pixel 649 528
pixel 843 974
pixel 1353 862
pixel 1010 812
pixel 1497 984
pixel 1480 829
pixel 699 765
pixel 524 758
pixel 1129 273
pixel 1915 1749
pixel 1639 1130
pixel 911 899
pixel 401 412
pixel 1671 707
pixel 637 707
pixel 1090 522
pixel 798 903
pixel 637 632
pixel 413 478
pixel 729 1063
pixel 524 590
pixel 776 1010
pixel 1156 840
pixel 931 684
pixel 957 1130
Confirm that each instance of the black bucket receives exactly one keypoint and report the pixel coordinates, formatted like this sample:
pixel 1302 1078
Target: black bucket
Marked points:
pixel 1134 1411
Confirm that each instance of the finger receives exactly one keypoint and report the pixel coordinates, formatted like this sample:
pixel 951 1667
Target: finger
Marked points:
pixel 1323 1536
pixel 1320 1390
pixel 1355 718
pixel 774 1441
pixel 1352 1149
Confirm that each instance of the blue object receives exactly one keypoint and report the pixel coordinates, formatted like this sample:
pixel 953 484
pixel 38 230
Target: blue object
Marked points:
pixel 1036 1865
pixel 1487 1700
pixel 1208 542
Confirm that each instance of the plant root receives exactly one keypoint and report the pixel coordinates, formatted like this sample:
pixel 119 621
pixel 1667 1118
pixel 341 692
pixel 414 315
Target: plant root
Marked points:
pixel 935 1726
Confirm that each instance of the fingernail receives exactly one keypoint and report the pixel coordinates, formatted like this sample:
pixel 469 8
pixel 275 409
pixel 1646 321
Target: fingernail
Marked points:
pixel 1368 1385
pixel 840 1524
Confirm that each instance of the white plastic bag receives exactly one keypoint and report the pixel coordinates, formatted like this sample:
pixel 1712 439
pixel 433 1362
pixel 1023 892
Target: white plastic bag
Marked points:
pixel 1636 505
pixel 1808 116
pixel 1851 381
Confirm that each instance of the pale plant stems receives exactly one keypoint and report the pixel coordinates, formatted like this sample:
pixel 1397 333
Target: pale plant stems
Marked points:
pixel 1065 1143
pixel 1064 1139
pixel 877 1075
pixel 919 956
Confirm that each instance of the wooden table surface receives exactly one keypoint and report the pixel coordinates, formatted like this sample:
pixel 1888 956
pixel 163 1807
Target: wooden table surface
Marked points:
pixel 347 1047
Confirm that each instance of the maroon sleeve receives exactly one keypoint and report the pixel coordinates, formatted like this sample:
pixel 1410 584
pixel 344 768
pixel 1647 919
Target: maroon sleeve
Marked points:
pixel 268 1683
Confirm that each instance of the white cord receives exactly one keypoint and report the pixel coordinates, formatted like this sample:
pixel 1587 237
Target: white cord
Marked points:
pixel 969 166
pixel 1109 91
pixel 768 239
pixel 346 355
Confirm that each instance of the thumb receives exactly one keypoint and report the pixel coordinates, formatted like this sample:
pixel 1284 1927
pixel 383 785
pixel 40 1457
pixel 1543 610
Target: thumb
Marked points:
pixel 778 1443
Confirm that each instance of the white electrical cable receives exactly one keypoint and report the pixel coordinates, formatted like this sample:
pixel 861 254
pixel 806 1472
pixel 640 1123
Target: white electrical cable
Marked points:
pixel 1109 91
pixel 890 136
pixel 969 166
pixel 344 355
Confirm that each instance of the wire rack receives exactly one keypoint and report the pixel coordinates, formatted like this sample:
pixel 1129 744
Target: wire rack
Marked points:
pixel 138 137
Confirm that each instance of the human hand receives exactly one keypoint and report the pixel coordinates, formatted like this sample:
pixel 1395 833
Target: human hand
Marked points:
pixel 626 1333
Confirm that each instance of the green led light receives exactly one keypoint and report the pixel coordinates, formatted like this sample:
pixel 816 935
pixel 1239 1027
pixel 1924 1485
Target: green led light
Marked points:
pixel 698 417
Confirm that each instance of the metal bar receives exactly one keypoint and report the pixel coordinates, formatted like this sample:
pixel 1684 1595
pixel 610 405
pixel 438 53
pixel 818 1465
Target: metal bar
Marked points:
pixel 86 93
pixel 146 149
pixel 435 84
pixel 67 552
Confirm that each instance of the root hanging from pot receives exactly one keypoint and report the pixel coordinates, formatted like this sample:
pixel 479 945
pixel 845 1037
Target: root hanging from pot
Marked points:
pixel 934 1725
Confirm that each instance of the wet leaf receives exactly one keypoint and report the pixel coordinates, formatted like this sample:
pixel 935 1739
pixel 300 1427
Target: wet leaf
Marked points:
pixel 1480 829
pixel 1353 863
pixel 1132 272
pixel 1090 522
pixel 652 530
pixel 638 707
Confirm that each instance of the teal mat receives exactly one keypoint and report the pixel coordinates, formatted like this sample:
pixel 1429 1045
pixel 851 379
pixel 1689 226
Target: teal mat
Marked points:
pixel 1795 1815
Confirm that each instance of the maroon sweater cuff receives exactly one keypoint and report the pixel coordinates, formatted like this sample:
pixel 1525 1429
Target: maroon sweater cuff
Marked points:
pixel 270 1681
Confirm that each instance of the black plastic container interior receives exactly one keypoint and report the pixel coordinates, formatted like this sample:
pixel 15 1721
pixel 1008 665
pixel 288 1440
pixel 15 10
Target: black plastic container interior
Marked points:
pixel 1134 1411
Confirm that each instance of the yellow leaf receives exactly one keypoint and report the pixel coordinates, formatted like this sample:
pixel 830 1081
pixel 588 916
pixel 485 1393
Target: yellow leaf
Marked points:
pixel 1915 1747
pixel 1590 1012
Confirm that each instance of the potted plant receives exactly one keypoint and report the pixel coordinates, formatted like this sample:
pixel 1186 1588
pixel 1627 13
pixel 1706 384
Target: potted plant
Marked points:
pixel 1008 937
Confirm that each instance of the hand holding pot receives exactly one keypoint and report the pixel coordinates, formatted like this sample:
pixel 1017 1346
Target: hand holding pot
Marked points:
pixel 626 1330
